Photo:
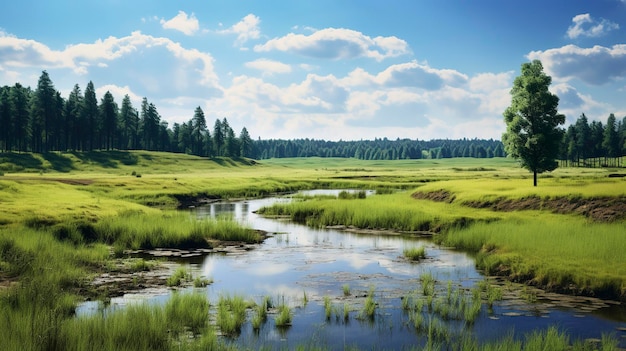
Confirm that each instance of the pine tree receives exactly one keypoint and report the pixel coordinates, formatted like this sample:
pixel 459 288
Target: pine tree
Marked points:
pixel 533 135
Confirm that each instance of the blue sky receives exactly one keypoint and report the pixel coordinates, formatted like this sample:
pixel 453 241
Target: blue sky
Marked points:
pixel 325 69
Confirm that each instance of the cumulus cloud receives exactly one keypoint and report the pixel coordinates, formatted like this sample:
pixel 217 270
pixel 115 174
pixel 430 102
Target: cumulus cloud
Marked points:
pixel 188 25
pixel 396 101
pixel 246 29
pixel 410 75
pixel 586 26
pixel 573 103
pixel 118 93
pixel 337 43
pixel 413 74
pixel 80 58
pixel 17 52
pixel 269 67
pixel 597 65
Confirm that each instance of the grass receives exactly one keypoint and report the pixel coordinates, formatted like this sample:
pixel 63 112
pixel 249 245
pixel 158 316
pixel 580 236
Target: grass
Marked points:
pixel 260 313
pixel 346 289
pixel 328 308
pixel 179 277
pixel 169 229
pixel 415 253
pixel 231 314
pixel 283 317
pixel 60 216
pixel 553 252
pixel 396 211
pixel 200 282
pixel 368 311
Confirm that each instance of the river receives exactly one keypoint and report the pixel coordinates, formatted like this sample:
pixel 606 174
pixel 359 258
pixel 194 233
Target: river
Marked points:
pixel 298 261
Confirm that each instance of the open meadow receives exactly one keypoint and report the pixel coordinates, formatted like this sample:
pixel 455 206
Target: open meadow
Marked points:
pixel 66 218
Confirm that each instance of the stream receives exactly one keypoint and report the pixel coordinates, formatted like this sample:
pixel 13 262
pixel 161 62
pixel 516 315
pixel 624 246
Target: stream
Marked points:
pixel 297 261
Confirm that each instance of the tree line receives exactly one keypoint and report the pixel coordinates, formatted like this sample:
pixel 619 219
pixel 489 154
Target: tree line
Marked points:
pixel 41 120
pixel 593 144
pixel 380 149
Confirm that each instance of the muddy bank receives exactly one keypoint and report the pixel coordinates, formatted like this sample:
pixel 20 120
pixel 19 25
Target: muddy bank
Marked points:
pixel 186 201
pixel 121 275
pixel 602 209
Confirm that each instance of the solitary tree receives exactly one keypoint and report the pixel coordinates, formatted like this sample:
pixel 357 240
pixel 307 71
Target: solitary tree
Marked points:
pixel 532 121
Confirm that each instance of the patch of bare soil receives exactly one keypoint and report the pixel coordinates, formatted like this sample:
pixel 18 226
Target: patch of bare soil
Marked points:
pixel 120 280
pixel 601 209
pixel 439 196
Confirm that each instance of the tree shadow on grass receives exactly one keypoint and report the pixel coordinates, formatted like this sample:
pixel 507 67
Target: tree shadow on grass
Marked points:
pixel 107 159
pixel 20 162
pixel 59 162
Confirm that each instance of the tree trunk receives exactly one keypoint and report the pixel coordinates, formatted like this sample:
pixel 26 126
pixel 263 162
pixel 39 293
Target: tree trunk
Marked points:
pixel 535 178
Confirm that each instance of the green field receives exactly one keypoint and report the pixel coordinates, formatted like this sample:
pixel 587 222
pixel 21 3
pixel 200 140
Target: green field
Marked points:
pixel 71 213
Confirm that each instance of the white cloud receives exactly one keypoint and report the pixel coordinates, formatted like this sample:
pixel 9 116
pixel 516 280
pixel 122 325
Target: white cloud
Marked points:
pixel 82 58
pixel 487 82
pixel 368 105
pixel 572 103
pixel 118 93
pixel 246 29
pixel 597 65
pixel 586 26
pixel 188 25
pixel 417 75
pixel 337 43
pixel 269 67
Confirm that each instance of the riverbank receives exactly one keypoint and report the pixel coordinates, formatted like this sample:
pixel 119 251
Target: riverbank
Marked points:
pixel 569 241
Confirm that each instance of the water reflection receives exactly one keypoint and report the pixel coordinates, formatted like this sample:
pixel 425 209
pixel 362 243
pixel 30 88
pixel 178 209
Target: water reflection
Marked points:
pixel 298 260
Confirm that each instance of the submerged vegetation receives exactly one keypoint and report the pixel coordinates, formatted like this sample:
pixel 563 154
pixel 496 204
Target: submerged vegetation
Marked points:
pixel 58 230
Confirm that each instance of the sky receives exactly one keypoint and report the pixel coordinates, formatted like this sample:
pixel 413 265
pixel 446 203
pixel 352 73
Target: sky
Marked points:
pixel 324 69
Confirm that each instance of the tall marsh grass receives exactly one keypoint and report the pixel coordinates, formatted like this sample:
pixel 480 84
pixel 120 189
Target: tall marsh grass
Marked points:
pixel 139 327
pixel 415 253
pixel 396 211
pixel 550 250
pixel 136 230
pixel 231 314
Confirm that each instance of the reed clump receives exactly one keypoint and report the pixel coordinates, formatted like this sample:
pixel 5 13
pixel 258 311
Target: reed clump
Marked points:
pixel 180 276
pixel 415 253
pixel 231 314
pixel 260 313
pixel 283 317
pixel 368 311
pixel 134 230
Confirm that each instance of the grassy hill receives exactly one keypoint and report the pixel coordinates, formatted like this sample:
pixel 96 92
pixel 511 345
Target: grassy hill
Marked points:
pixel 113 162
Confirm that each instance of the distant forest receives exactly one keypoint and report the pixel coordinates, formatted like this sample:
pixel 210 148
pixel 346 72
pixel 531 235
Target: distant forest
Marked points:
pixel 41 120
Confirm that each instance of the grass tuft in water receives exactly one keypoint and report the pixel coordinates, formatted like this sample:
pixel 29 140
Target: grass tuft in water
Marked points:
pixel 201 282
pixel 328 308
pixel 415 253
pixel 283 318
pixel 369 306
pixel 231 314
pixel 179 277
